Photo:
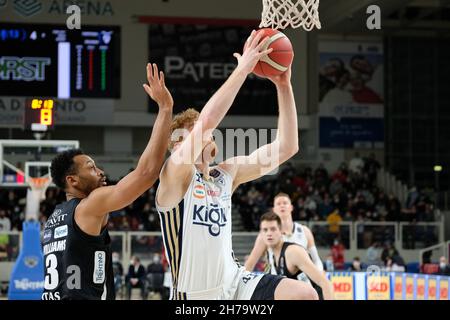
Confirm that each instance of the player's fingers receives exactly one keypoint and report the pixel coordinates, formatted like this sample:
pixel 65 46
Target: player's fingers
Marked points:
pixel 265 52
pixel 256 40
pixel 149 73
pixel 250 37
pixel 236 55
pixel 263 43
pixel 155 72
pixel 161 79
pixel 147 89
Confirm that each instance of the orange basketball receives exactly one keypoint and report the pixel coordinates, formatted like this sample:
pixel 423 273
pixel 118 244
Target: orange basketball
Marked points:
pixel 279 60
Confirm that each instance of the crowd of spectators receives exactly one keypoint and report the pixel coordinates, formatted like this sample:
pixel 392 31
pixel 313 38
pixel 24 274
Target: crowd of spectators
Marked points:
pixel 149 280
pixel 349 194
pixel 141 215
pixel 384 257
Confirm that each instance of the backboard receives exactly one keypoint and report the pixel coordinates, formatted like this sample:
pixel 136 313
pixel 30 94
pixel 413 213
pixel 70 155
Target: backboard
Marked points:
pixel 21 159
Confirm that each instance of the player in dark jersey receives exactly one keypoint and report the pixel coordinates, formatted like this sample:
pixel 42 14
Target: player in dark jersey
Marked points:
pixel 76 243
pixel 291 259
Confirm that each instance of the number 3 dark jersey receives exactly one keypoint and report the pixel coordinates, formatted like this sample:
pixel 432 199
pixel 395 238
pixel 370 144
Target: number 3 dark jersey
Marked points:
pixel 77 265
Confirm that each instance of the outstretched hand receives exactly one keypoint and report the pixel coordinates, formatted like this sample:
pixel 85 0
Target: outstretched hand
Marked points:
pixel 156 87
pixel 282 79
pixel 253 52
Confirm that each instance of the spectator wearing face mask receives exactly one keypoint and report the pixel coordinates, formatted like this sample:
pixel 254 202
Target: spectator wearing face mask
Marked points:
pixel 135 277
pixel 444 267
pixel 155 275
pixel 337 252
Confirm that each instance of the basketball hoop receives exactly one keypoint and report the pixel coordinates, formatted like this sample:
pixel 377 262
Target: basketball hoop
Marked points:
pixel 39 185
pixel 280 14
pixel 36 194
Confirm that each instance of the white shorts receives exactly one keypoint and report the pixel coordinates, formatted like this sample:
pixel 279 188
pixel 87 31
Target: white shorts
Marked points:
pixel 247 285
pixel 239 287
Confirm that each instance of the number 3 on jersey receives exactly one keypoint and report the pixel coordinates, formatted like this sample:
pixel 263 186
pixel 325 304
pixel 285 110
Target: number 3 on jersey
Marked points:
pixel 52 277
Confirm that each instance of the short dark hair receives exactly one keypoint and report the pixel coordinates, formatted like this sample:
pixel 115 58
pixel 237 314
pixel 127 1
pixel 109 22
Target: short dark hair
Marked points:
pixel 63 165
pixel 270 216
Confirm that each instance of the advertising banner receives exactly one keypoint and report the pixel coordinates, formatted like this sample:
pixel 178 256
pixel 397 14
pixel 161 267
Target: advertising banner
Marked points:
pixel 443 288
pixel 399 285
pixel 343 284
pixel 409 281
pixel 351 94
pixel 432 288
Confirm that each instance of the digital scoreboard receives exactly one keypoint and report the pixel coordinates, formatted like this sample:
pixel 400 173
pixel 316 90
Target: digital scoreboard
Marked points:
pixel 38 114
pixel 42 60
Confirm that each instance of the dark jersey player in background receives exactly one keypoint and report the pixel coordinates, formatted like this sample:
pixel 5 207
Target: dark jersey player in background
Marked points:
pixel 291 259
pixel 76 243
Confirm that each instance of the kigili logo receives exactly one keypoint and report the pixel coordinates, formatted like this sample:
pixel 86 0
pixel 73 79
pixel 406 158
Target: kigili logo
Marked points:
pixel 27 8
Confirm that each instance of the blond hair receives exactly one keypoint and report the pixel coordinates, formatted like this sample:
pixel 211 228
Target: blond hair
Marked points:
pixel 185 119
pixel 281 194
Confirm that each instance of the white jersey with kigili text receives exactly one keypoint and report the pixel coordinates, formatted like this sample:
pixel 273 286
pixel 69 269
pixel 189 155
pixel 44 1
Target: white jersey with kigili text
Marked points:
pixel 197 240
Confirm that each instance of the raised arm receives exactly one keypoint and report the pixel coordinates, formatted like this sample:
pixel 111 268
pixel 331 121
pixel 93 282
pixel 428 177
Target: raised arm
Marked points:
pixel 312 250
pixel 129 188
pixel 258 250
pixel 219 104
pixel 270 156
pixel 298 257
pixel 178 169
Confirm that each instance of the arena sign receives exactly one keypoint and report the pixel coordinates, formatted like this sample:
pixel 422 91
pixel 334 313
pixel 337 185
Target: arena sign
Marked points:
pixel 388 286
pixel 90 8
pixel 67 112
pixel 197 59
pixel 31 8
pixel 23 68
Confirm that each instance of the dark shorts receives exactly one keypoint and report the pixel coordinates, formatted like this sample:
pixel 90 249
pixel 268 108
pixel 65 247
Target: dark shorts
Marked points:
pixel 265 290
pixel 318 290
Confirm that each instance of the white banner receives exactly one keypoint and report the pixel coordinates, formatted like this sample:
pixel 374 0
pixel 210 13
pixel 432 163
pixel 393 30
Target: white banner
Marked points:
pixel 352 110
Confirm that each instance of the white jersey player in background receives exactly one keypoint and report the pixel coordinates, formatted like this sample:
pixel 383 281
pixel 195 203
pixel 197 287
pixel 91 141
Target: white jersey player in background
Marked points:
pixel 292 232
pixel 194 200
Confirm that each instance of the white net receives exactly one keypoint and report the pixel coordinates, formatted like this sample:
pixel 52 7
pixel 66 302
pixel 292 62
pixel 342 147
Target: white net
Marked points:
pixel 280 14
pixel 35 194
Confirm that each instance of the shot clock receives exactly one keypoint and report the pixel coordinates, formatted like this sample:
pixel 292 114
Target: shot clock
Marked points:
pixel 39 114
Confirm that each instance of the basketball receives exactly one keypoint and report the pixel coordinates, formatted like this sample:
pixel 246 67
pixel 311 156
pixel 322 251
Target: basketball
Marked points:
pixel 279 60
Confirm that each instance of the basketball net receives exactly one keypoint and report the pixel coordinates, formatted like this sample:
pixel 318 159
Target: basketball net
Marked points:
pixel 280 14
pixel 35 194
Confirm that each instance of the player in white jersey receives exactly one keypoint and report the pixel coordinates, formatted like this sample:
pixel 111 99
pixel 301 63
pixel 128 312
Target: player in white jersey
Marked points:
pixel 292 232
pixel 194 200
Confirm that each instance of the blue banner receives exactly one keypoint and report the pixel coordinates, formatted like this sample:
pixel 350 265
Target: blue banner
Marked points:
pixel 351 132
pixel 27 277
